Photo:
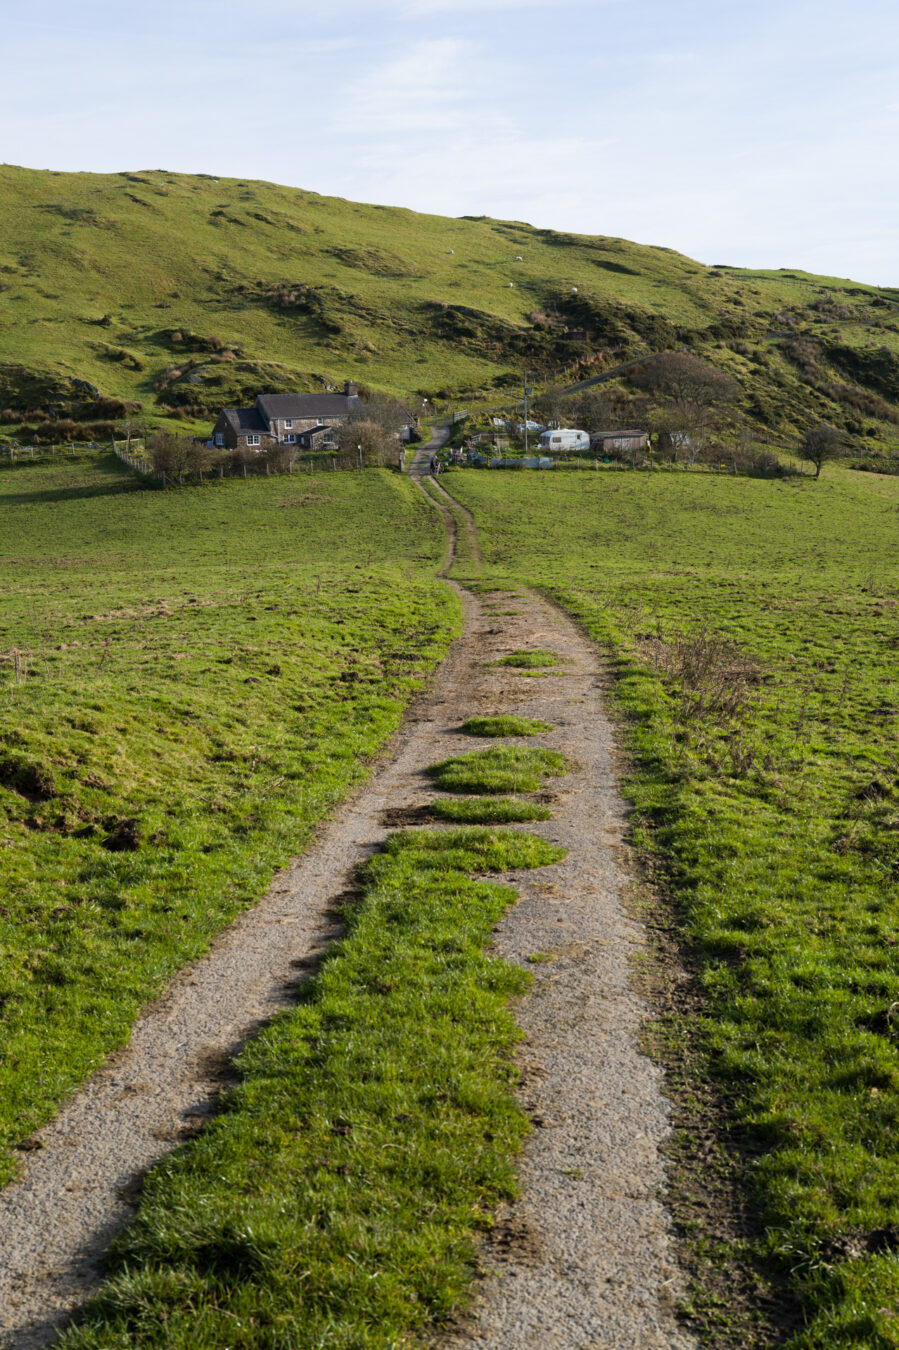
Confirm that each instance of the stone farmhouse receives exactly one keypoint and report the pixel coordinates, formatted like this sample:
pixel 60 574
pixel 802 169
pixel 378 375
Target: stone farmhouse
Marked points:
pixel 304 420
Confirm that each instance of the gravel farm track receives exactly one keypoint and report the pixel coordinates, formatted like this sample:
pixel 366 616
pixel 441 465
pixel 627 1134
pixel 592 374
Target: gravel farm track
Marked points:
pixel 585 1257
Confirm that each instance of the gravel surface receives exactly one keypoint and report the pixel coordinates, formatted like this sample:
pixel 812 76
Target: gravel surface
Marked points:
pixel 584 1258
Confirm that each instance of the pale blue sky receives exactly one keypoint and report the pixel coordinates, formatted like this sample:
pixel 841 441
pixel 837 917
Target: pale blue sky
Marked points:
pixel 760 134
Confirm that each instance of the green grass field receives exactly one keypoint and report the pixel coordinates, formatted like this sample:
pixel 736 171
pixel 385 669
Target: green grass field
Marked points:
pixel 752 632
pixel 190 679
pixel 188 682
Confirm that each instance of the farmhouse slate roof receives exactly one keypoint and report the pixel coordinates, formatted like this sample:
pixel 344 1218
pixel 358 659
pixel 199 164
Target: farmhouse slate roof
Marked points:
pixel 276 406
pixel 245 420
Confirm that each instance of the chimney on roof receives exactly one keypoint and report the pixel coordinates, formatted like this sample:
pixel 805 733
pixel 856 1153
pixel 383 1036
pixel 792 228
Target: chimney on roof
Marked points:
pixel 351 390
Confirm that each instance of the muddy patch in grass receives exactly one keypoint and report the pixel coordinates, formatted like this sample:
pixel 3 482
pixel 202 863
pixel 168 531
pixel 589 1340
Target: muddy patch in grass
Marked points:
pixel 397 817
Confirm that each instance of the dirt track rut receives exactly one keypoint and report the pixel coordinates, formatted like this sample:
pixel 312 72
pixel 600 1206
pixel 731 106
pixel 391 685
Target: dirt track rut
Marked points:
pixel 584 1258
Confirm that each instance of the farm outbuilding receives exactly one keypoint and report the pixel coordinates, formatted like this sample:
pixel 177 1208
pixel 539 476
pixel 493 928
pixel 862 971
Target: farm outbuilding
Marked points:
pixel 619 442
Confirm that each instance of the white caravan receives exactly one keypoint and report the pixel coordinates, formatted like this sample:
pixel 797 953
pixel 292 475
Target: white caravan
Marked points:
pixel 564 441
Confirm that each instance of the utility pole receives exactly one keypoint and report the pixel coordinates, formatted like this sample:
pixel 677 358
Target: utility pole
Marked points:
pixel 527 390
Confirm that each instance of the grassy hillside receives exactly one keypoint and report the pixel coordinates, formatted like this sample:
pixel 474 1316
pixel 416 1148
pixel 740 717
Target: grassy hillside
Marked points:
pixel 752 631
pixel 169 294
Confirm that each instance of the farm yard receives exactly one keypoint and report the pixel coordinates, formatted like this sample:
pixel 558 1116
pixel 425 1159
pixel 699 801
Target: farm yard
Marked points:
pixel 193 679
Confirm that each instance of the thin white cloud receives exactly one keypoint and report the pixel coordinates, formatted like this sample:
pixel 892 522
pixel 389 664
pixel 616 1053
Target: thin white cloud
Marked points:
pixel 431 87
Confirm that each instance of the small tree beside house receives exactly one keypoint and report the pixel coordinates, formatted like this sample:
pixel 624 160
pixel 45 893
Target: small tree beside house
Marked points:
pixel 368 439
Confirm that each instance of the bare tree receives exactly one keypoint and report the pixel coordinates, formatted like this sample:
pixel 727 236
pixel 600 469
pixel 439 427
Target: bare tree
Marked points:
pixel 819 444
pixel 131 426
pixel 552 405
pixel 591 411
pixel 176 456
pixel 691 396
pixel 368 438
pixel 382 410
pixel 281 457
pixel 672 431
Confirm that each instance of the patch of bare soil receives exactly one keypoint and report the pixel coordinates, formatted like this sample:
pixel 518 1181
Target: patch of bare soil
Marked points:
pixel 401 817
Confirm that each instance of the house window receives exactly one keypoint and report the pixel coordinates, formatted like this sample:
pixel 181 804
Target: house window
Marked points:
pixel 288 421
pixel 253 440
pixel 290 439
pixel 219 438
pixel 319 421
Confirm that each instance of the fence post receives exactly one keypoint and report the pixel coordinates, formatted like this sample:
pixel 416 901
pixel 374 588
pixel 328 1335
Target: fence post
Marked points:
pixel 163 478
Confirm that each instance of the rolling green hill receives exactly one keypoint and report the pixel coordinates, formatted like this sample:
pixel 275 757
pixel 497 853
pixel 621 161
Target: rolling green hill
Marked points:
pixel 171 295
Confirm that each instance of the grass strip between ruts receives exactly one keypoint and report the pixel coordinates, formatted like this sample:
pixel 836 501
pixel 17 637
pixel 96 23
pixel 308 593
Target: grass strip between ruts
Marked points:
pixel 336 1197
pixel 506 724
pixel 465 559
pixel 502 768
pixel 529 659
pixel 488 810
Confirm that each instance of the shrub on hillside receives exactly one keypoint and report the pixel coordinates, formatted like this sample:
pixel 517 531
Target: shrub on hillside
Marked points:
pixel 753 461
pixel 64 430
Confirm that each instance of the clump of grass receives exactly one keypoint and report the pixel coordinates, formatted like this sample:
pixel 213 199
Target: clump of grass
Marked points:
pixel 529 659
pixel 506 725
pixel 374 1129
pixel 488 810
pixel 503 768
